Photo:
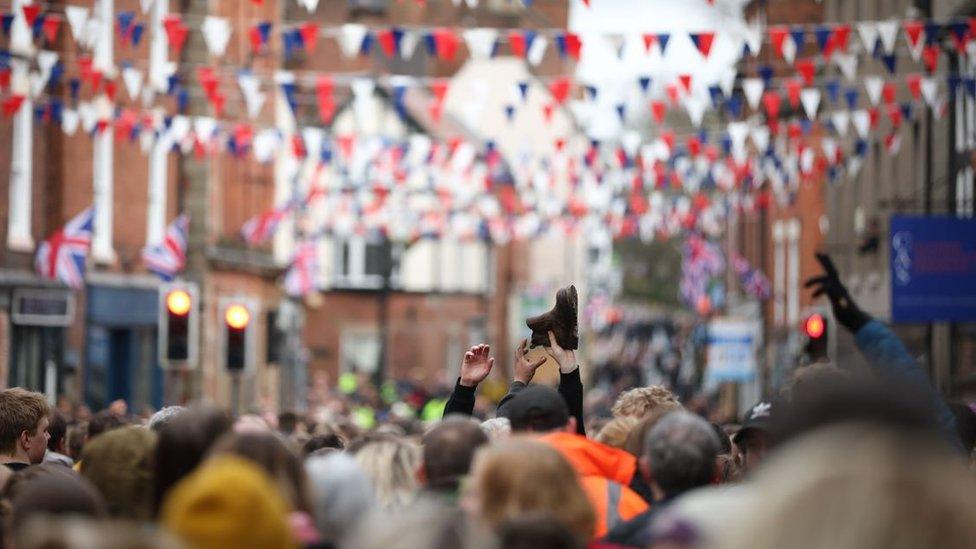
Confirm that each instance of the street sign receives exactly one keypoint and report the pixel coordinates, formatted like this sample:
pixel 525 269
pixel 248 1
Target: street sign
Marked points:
pixel 933 269
pixel 731 351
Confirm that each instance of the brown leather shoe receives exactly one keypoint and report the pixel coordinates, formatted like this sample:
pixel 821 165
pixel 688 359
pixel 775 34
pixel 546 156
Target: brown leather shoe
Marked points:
pixel 561 320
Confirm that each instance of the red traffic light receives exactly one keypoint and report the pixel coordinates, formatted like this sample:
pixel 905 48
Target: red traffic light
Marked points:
pixel 237 317
pixel 178 302
pixel 814 326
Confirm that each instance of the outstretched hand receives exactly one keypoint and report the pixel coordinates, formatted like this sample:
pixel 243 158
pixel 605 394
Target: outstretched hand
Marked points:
pixel 566 358
pixel 476 365
pixel 525 368
pixel 845 310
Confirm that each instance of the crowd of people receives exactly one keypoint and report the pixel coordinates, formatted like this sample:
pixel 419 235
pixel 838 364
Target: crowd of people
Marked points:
pixel 874 459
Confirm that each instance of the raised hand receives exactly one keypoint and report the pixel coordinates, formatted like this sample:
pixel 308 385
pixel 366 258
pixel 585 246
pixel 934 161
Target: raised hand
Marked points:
pixel 524 368
pixel 845 310
pixel 565 358
pixel 476 365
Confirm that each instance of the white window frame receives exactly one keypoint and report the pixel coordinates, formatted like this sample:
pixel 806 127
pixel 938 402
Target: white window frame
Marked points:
pixel 779 273
pixel 793 230
pixel 355 276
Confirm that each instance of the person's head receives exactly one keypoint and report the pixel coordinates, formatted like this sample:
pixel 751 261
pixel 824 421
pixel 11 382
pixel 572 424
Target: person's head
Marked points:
pixel 448 450
pixel 46 490
pixel 23 425
pixel 164 416
pixel 513 478
pixel 77 435
pixel 497 428
pixel 679 454
pixel 427 524
pixel 634 445
pixel 754 437
pixel 57 430
pixel 641 401
pixel 184 441
pixel 858 485
pixel 120 464
pixel 76 532
pixel 228 501
pixel 330 441
pixel 391 464
pixel 103 422
pixel 539 409
pixel 536 531
pixel 288 423
pixel 616 431
pixel 339 492
pixel 272 454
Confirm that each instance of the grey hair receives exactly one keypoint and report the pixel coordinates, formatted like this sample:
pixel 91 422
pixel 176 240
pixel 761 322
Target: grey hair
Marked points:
pixel 340 494
pixel 681 450
pixel 163 416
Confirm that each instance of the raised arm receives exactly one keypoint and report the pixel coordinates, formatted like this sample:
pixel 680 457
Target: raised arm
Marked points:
pixel 475 367
pixel 570 383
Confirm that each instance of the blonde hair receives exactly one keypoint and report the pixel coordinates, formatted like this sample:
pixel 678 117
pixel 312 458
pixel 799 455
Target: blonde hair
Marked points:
pixel 518 476
pixel 642 401
pixel 616 431
pixel 858 486
pixel 391 464
pixel 20 410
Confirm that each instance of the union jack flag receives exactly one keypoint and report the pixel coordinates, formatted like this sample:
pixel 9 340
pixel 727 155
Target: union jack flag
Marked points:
pixel 753 281
pixel 168 258
pixel 300 277
pixel 260 227
pixel 62 256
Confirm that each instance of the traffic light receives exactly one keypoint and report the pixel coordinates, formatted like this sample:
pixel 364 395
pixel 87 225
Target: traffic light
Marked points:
pixel 178 305
pixel 815 329
pixel 237 318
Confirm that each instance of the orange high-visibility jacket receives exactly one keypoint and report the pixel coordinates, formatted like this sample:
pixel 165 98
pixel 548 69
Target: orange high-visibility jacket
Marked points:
pixel 605 473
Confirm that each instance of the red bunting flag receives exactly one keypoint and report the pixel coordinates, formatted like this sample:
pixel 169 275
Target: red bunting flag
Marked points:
pixel 323 93
pixel 930 56
pixel 913 32
pixel 772 100
pixel 703 41
pixel 12 104
pixel 649 40
pixel 658 110
pixel 842 34
pixel 807 70
pixel 914 83
pixel 685 80
pixel 310 35
pixel 176 32
pixel 777 36
pixel 889 93
pixel 573 45
pixel 894 114
pixel 793 88
pixel 30 13
pixel 547 110
pixel 446 43
pixel 50 27
pixel 387 41
pixel 559 88
pixel 516 41
pixel 110 90
pixel 439 89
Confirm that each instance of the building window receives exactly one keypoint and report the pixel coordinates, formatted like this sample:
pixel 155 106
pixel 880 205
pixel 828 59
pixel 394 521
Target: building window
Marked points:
pixel 793 278
pixel 362 263
pixel 779 276
pixel 368 7
pixel 360 350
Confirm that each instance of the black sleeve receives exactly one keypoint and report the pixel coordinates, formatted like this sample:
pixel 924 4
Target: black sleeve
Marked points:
pixel 571 388
pixel 461 401
pixel 513 390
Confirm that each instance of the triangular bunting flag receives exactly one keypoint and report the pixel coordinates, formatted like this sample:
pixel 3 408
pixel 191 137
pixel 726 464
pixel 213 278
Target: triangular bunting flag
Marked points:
pixel 216 33
pixel 810 98
pixel 753 89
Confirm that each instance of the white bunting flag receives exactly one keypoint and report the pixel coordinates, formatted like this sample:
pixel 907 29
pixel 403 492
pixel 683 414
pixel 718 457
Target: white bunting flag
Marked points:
pixel 862 123
pixel 631 142
pixel 930 91
pixel 132 78
pixel 313 138
pixel 204 127
pixel 727 82
pixel 351 36
pixel 888 32
pixel 874 85
pixel 254 98
pixel 789 49
pixel 753 37
pixel 810 98
pixel 696 110
pixel 847 63
pixel 265 145
pixel 760 138
pixel 869 34
pixel 309 5
pixel 408 44
pixel 146 5
pixel 753 89
pixel 830 148
pixel 88 116
pixel 69 121
pixel 481 42
pixel 77 17
pixel 841 120
pixel 216 33
pixel 537 51
pixel 179 128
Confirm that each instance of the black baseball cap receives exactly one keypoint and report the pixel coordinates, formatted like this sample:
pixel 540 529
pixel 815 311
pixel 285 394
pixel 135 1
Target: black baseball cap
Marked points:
pixel 536 408
pixel 760 418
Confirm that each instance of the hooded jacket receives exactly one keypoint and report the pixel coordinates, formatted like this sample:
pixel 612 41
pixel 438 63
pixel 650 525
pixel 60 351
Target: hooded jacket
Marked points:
pixel 605 474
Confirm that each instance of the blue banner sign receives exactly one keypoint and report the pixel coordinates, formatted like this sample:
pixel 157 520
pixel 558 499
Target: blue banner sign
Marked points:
pixel 933 269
